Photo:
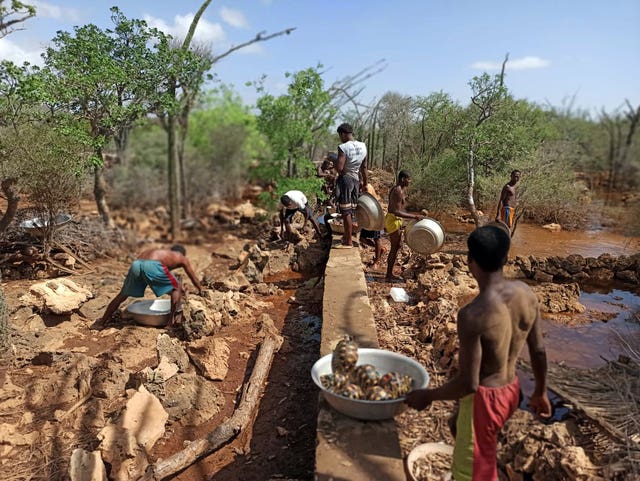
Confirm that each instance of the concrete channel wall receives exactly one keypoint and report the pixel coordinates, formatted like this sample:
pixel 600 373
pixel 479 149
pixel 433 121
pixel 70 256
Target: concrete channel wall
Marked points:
pixel 349 449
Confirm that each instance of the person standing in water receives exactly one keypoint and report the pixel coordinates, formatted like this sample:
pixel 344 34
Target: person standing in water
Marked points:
pixel 506 211
pixel 492 330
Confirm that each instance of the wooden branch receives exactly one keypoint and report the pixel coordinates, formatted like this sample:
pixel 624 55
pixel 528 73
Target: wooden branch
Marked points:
pixel 260 37
pixel 230 428
pixel 70 252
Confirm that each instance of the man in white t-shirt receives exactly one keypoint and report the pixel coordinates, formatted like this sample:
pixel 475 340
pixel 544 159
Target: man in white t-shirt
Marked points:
pixel 295 201
pixel 352 169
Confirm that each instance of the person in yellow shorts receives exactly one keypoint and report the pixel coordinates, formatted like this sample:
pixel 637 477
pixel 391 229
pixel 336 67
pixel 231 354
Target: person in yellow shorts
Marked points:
pixel 506 211
pixel 393 220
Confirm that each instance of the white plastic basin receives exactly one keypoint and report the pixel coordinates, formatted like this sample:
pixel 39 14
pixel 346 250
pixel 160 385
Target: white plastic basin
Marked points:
pixel 384 361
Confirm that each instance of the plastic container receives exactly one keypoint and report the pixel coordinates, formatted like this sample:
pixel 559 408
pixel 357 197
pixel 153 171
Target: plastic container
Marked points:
pixel 425 236
pixel 384 361
pixel 422 450
pixel 398 294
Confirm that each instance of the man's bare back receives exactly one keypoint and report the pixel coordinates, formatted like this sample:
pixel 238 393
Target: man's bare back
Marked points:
pixel 502 317
pixel 169 258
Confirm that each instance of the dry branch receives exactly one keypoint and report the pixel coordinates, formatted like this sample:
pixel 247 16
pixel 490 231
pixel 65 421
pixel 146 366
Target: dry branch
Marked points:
pixel 230 428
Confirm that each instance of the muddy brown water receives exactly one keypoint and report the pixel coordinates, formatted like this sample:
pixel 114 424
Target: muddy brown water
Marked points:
pixel 534 240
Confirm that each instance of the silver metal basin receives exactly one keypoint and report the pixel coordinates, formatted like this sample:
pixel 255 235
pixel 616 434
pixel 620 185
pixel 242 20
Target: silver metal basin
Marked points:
pixel 384 361
pixel 425 236
pixel 369 213
pixel 37 225
pixel 150 312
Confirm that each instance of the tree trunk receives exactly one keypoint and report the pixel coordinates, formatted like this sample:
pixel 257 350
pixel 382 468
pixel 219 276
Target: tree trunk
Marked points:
pixel 8 187
pixel 100 192
pixel 174 174
pixel 471 179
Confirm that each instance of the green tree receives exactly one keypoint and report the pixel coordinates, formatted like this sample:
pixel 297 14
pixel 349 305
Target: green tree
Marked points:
pixel 224 142
pixel 289 122
pixel 109 78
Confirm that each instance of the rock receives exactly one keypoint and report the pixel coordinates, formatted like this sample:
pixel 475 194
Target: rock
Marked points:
pixel 171 350
pixel 627 276
pixel 542 276
pixel 211 357
pixel 182 392
pixel 109 378
pixel 143 419
pixel 552 227
pixel 601 274
pixel 165 370
pixel 573 264
pixel 9 435
pixel 86 466
pixel 59 296
pixel 198 319
pixel 66 259
pixel 252 273
pixel 556 298
pixel 246 210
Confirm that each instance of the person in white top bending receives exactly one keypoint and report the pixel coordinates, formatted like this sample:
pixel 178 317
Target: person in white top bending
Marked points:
pixel 295 201
pixel 352 174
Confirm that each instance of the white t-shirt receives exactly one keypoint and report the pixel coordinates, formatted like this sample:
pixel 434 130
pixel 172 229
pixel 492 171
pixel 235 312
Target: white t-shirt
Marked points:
pixel 355 151
pixel 298 198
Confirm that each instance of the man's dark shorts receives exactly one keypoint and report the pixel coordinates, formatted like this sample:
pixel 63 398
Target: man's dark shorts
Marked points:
pixel 370 234
pixel 289 213
pixel 347 189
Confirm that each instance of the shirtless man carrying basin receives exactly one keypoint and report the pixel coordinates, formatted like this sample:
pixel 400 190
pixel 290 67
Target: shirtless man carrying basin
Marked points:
pixel 492 330
pixel 393 220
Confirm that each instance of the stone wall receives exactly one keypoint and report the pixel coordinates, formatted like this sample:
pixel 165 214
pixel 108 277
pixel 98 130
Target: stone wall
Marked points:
pixel 574 267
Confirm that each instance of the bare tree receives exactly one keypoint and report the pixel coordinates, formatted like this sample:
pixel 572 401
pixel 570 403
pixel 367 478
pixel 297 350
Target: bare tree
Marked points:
pixel 12 14
pixel 620 141
pixel 487 94
pixel 175 122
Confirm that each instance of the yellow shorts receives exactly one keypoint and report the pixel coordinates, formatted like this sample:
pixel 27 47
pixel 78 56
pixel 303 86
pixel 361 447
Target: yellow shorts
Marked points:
pixel 392 223
pixel 507 215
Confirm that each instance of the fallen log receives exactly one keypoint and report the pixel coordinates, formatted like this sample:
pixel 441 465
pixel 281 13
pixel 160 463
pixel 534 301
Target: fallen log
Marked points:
pixel 232 426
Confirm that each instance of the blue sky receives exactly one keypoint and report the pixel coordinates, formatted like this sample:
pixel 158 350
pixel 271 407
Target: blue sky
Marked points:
pixel 588 50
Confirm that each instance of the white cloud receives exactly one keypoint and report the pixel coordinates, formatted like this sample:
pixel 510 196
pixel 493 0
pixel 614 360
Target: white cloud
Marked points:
pixel 48 10
pixel 12 51
pixel 524 63
pixel 206 32
pixel 235 18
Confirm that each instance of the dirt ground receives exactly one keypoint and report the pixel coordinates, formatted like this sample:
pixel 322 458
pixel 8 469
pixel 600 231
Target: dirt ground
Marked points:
pixel 50 406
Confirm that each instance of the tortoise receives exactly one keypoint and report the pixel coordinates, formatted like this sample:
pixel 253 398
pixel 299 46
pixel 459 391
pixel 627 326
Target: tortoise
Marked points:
pixel 365 375
pixel 345 356
pixel 334 382
pixel 396 384
pixel 377 393
pixel 352 391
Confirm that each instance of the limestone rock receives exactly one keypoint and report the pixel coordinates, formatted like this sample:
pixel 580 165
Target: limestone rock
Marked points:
pixel 553 227
pixel 211 357
pixel 87 466
pixel 59 296
pixel 172 351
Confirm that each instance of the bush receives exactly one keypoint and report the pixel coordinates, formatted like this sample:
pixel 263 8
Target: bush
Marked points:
pixel 50 167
